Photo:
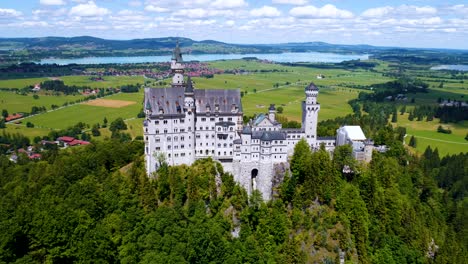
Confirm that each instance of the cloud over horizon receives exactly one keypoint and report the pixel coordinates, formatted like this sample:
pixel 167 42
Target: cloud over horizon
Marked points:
pixel 243 21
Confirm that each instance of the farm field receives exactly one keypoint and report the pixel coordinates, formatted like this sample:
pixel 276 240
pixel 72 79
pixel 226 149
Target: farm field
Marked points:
pixel 78 80
pixel 426 134
pixel 88 114
pixel 14 102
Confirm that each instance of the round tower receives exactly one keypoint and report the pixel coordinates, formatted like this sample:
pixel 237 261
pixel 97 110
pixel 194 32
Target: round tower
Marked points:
pixel 310 114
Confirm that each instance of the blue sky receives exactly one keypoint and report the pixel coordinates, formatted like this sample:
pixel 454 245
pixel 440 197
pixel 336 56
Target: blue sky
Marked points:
pixel 411 23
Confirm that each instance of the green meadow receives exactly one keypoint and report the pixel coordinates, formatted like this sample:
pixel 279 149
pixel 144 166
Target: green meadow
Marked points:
pixel 14 102
pixel 78 80
pixel 426 134
pixel 88 114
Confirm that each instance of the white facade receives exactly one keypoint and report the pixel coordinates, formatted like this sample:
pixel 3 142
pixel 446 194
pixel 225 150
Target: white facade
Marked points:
pixel 184 124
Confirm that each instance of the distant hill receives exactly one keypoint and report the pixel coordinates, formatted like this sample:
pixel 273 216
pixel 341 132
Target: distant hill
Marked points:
pixel 12 50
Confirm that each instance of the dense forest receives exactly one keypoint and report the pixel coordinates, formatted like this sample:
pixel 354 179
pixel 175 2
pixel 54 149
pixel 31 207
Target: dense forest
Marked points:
pixel 96 204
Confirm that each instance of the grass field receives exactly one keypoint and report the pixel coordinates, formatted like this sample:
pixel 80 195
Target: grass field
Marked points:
pixel 22 103
pixel 426 134
pixel 78 80
pixel 88 114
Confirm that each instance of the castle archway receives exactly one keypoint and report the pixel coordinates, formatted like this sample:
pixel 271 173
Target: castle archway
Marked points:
pixel 253 179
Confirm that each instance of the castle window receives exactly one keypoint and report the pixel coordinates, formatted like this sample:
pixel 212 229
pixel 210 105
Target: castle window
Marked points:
pixel 176 147
pixel 176 155
pixel 175 121
pixel 157 131
pixel 165 121
pixel 219 145
pixel 182 130
pixel 182 121
pixel 189 128
pixel 146 130
pixel 231 128
pixel 175 130
pixel 225 145
pixel 212 119
pixel 182 137
pixel 219 153
pixel 168 138
pixel 158 148
pixel 157 139
pixel 203 119
pixel 165 131
pixel 168 146
pixel 221 119
pixel 182 146
pixel 207 136
pixel 156 122
pixel 207 128
pixel 175 138
pixel 198 136
pixel 229 118
pixel 169 155
pixel 146 138
pixel 182 154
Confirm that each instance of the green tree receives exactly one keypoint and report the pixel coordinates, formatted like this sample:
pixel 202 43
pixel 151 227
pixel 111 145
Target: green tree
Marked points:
pixel 280 109
pixel 5 113
pixel 95 130
pixel 403 110
pixel 412 142
pixel 2 123
pixel 117 125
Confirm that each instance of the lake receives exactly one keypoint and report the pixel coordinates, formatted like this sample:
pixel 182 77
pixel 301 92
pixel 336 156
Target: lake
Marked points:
pixel 454 67
pixel 278 57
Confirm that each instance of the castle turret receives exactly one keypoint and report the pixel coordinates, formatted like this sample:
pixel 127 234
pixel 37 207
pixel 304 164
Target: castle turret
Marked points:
pixel 177 67
pixel 310 109
pixel 272 112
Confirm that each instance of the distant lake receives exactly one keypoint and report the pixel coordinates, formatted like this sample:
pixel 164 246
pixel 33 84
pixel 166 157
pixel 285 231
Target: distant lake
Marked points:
pixel 278 57
pixel 454 67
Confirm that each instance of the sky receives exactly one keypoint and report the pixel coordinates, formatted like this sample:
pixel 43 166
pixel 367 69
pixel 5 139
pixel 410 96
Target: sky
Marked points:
pixel 410 23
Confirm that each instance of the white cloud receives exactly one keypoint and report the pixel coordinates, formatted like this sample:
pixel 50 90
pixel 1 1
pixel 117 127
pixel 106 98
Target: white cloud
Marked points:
pixel 4 13
pixel 152 8
pixel 290 2
pixel 33 24
pixel 230 23
pixel 50 12
pixel 229 4
pixel 327 11
pixel 134 3
pixel 265 11
pixel 89 9
pixel 403 10
pixel 202 13
pixel 52 2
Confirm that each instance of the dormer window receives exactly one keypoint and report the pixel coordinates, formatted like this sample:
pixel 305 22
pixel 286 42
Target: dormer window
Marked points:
pixel 216 107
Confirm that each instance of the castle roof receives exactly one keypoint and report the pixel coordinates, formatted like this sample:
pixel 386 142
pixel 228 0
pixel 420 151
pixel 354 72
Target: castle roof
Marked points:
pixel 189 86
pixel 217 100
pixel 311 87
pixel 354 132
pixel 247 130
pixel 168 100
pixel 272 107
pixel 268 135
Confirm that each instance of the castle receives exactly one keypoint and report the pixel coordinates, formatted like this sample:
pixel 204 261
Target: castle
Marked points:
pixel 184 124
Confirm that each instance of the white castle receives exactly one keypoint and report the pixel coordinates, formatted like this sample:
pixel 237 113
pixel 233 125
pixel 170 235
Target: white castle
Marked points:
pixel 184 124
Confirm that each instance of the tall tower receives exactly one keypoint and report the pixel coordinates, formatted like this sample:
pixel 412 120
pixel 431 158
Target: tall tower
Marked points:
pixel 177 67
pixel 310 114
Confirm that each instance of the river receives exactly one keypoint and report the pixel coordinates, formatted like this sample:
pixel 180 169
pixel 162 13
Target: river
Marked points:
pixel 277 57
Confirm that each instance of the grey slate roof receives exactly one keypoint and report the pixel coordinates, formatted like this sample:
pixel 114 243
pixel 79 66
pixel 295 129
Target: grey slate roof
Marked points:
pixel 170 100
pixel 247 130
pixel 189 86
pixel 268 135
pixel 311 87
pixel 224 99
pixel 272 107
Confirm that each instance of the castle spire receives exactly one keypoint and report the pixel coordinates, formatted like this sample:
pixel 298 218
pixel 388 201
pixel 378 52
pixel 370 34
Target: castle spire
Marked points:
pixel 177 67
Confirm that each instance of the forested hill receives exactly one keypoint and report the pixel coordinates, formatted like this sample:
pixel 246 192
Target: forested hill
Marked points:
pixel 85 205
pixel 14 50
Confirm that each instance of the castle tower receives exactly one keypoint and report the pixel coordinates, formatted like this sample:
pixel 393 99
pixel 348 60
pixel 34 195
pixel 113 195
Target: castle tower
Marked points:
pixel 177 67
pixel 272 112
pixel 189 109
pixel 310 109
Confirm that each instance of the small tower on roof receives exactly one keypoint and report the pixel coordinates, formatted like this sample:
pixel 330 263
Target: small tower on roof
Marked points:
pixel 272 112
pixel 177 67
